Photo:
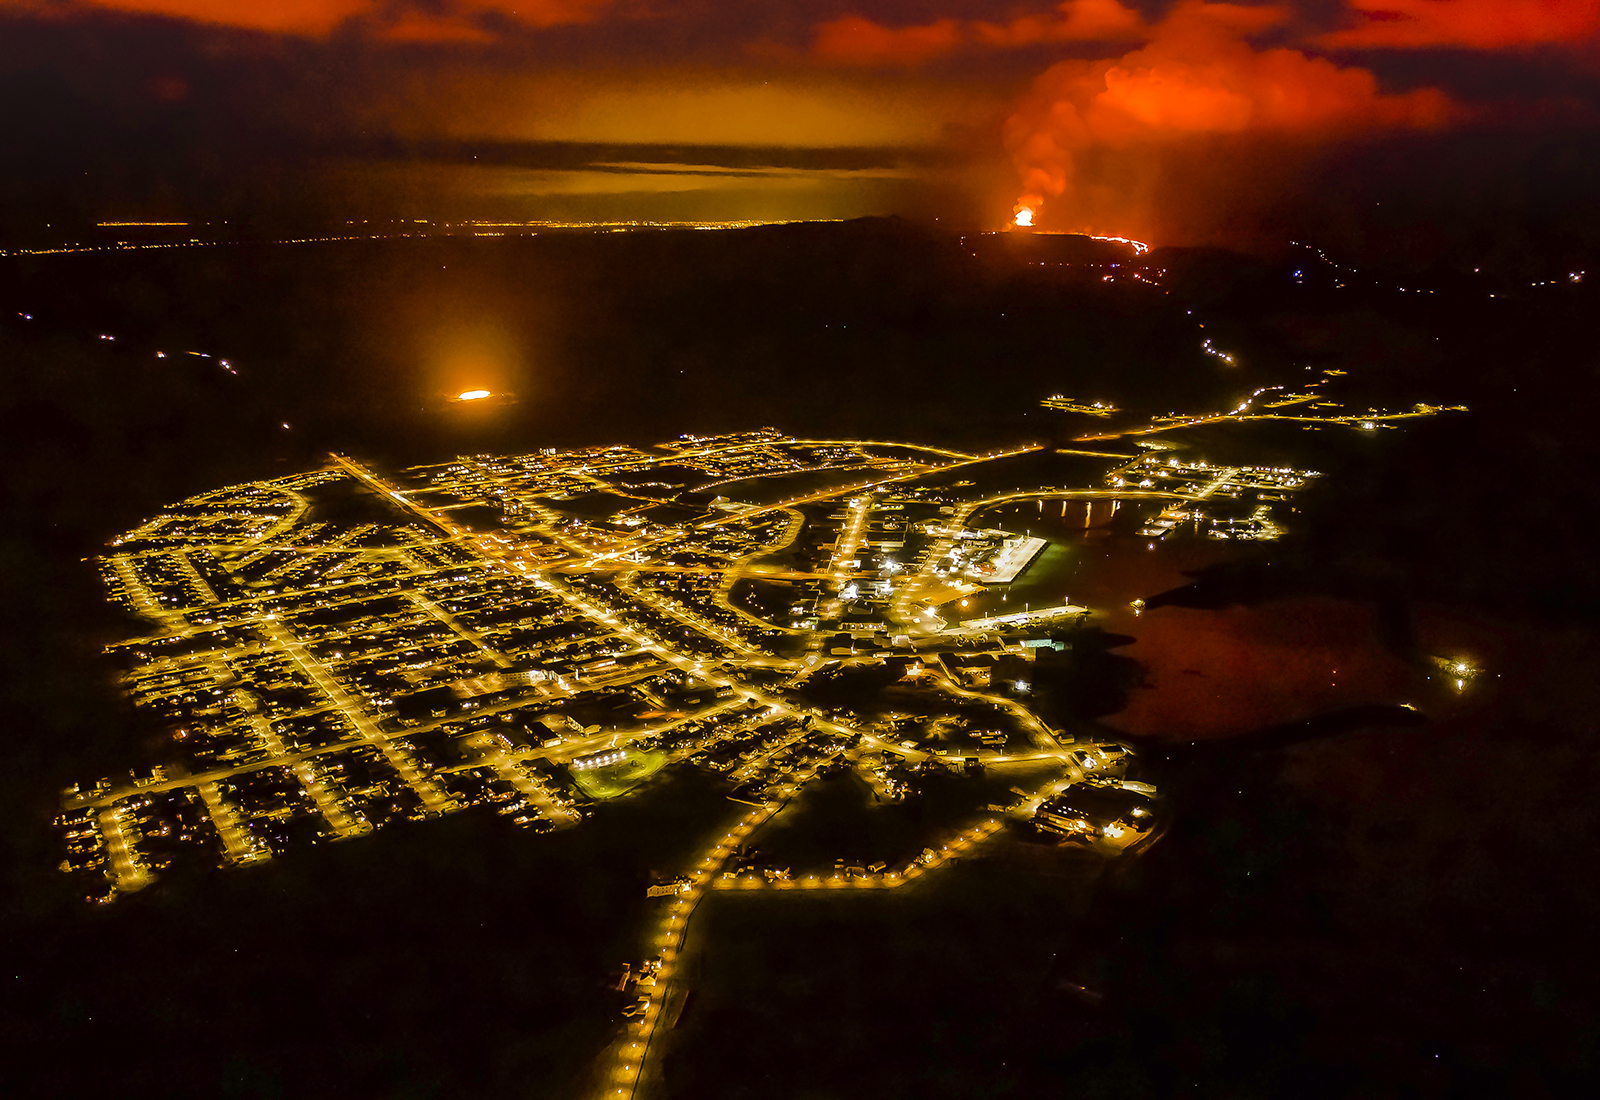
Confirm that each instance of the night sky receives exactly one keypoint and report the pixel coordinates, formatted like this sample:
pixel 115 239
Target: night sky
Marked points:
pixel 1447 126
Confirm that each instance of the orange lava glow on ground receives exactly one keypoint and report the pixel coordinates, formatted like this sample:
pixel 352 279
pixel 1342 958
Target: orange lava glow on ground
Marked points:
pixel 1220 673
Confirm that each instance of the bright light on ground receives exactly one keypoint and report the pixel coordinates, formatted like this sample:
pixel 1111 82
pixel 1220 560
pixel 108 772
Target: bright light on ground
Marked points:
pixel 1024 217
pixel 472 395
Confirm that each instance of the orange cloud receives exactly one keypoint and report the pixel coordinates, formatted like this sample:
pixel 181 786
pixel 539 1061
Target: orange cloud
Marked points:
pixel 1197 79
pixel 405 22
pixel 423 27
pixel 853 39
pixel 1078 21
pixel 1475 24
pixel 536 13
pixel 275 16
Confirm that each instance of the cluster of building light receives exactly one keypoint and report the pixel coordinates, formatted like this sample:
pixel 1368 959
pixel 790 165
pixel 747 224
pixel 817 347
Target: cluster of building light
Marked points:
pixel 599 760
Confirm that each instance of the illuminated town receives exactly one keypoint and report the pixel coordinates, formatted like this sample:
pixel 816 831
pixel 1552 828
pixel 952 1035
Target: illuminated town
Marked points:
pixel 531 635
pixel 337 650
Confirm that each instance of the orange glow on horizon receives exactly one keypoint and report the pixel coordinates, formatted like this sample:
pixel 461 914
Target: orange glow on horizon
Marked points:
pixel 473 395
pixel 1191 121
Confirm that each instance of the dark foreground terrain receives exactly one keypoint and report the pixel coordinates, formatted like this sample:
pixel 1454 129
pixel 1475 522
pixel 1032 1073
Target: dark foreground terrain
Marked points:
pixel 1382 909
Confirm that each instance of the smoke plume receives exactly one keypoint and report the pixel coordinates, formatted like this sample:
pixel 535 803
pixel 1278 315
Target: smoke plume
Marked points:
pixel 1094 141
